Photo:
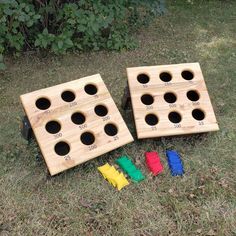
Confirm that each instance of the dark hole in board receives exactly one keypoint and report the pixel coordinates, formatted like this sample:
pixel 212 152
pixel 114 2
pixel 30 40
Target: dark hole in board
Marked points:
pixel 110 129
pixel 174 117
pixel 170 97
pixel 165 77
pixel 53 127
pixel 101 110
pixel 198 114
pixel 187 75
pixel 62 148
pixel 87 138
pixel 78 118
pixel 143 78
pixel 193 95
pixel 43 103
pixel 151 119
pixel 90 89
pixel 68 96
pixel 147 99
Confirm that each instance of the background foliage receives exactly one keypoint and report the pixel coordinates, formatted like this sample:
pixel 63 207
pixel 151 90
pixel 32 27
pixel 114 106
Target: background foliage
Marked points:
pixel 59 25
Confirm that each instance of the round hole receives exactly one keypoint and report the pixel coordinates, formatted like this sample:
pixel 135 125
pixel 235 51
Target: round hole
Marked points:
pixel 78 118
pixel 62 148
pixel 151 119
pixel 170 97
pixel 198 114
pixel 186 74
pixel 110 129
pixel 174 117
pixel 90 89
pixel 101 110
pixel 147 99
pixel 87 138
pixel 165 77
pixel 193 95
pixel 68 96
pixel 53 127
pixel 43 103
pixel 143 78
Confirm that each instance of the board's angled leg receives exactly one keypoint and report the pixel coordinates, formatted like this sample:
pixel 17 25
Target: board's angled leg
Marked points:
pixel 26 129
pixel 126 99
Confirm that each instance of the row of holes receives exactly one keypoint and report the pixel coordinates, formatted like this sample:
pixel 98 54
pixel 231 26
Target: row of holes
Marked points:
pixel 174 117
pixel 77 118
pixel 170 97
pixel 62 148
pixel 67 96
pixel 165 77
pixel 87 138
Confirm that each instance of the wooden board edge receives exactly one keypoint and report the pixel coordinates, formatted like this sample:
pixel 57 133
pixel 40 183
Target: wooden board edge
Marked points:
pixel 52 173
pixel 179 64
pixel 140 136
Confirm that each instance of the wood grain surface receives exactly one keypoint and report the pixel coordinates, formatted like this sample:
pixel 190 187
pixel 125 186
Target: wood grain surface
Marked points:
pixel 164 84
pixel 63 129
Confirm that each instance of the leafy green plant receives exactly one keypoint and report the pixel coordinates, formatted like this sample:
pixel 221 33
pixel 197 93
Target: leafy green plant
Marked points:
pixel 58 25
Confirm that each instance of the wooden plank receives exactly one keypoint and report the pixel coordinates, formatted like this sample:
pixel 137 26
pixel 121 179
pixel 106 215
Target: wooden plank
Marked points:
pixel 178 92
pixel 60 129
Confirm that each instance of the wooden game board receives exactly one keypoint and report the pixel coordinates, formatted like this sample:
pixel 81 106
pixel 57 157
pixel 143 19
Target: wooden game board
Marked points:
pixel 75 122
pixel 170 100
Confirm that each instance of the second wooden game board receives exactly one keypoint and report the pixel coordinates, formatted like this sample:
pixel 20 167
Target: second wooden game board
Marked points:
pixel 170 100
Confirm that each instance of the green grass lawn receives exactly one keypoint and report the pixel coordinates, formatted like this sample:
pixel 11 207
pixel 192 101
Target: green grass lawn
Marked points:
pixel 79 201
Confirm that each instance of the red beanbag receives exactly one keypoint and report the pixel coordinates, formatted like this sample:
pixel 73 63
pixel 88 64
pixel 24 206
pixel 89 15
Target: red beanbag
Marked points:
pixel 153 162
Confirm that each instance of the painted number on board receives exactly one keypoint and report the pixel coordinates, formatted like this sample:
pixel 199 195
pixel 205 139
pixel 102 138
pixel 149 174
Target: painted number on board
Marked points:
pixel 95 96
pixel 196 103
pixel 150 107
pixel 67 157
pixel 177 125
pixel 106 118
pixel 116 137
pixel 172 105
pixel 154 128
pixel 72 104
pixel 92 147
pixel 58 135
pixel 167 83
pixel 201 123
pixel 47 112
pixel 83 126
pixel 145 85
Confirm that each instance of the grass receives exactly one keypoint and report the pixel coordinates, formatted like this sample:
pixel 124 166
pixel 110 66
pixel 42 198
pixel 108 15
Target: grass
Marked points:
pixel 79 201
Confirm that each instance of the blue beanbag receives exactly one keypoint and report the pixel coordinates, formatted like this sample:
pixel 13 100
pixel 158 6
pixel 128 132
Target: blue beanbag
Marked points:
pixel 175 163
